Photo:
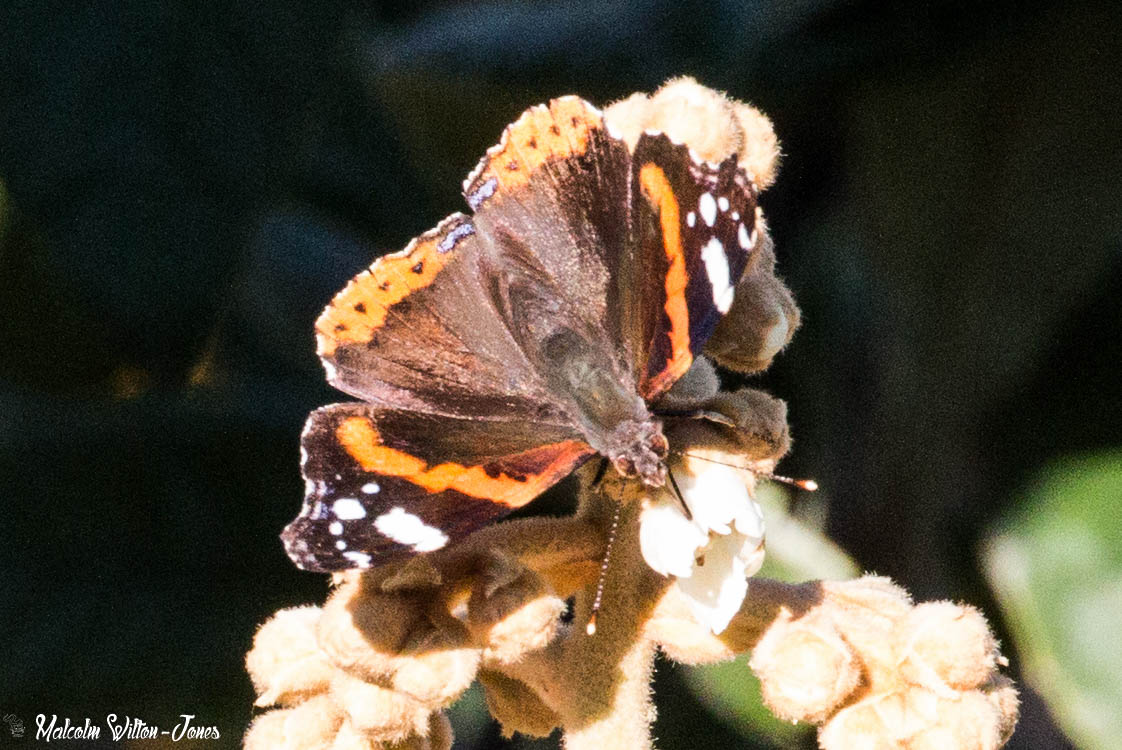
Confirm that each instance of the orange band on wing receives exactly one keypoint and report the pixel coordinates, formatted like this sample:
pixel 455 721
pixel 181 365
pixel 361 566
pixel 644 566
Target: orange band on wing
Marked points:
pixel 545 465
pixel 357 311
pixel 541 134
pixel 657 189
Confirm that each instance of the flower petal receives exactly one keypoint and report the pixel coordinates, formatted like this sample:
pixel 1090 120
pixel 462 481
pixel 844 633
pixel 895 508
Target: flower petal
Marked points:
pixel 719 583
pixel 752 555
pixel 716 494
pixel 668 540
pixel 750 520
pixel 712 553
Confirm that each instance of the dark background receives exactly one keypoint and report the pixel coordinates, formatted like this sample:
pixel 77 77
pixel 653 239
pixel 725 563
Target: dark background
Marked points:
pixel 188 184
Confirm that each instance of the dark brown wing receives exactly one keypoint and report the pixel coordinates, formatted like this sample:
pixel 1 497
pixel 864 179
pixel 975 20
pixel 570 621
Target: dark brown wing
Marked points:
pixel 552 199
pixel 382 484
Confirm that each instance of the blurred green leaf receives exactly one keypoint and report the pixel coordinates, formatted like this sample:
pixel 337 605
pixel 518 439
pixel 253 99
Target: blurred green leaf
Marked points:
pixel 731 693
pixel 1056 567
pixel 797 550
pixel 469 716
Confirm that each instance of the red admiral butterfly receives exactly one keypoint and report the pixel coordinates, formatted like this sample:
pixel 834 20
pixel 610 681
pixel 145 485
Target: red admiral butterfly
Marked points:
pixel 498 352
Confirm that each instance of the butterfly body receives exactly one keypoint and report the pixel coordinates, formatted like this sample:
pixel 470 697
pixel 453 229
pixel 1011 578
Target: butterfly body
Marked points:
pixel 498 352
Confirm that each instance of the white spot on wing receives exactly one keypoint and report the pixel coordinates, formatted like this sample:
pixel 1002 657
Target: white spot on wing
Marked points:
pixel 340 544
pixel 691 219
pixel 735 215
pixel 708 208
pixel 348 509
pixel 406 528
pixel 717 269
pixel 482 193
pixel 370 488
pixel 360 559
pixel 335 528
pixel 723 203
pixel 457 234
pixel 742 237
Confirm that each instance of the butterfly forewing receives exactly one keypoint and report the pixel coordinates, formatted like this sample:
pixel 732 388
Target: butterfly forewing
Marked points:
pixel 416 331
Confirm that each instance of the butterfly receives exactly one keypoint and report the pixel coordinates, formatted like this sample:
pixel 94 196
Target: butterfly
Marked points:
pixel 499 351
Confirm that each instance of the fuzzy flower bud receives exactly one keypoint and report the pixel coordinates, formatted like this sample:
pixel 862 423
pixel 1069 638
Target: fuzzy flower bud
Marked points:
pixel 948 647
pixel 378 713
pixel 311 724
pixel 876 672
pixel 806 668
pixel 514 613
pixel 517 706
pixel 916 718
pixel 712 124
pixel 285 664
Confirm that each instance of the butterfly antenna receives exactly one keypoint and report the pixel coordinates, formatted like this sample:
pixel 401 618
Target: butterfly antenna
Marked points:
pixel 596 600
pixel 803 484
pixel 710 460
pixel 678 494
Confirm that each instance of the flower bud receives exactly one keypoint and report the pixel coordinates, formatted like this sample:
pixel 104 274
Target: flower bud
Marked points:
pixel 285 664
pixel 968 721
pixel 378 713
pixel 437 673
pixel 312 724
pixel 698 116
pixel 516 706
pixel 362 630
pixel 805 668
pixel 945 644
pixel 759 152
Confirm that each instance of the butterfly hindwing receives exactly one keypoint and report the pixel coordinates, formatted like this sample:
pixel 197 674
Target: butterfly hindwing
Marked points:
pixel 382 484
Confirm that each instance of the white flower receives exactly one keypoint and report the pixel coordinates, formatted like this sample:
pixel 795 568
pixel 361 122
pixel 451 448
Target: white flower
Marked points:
pixel 713 553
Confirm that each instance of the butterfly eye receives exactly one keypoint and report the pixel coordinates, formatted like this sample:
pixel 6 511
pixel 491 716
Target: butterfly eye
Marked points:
pixel 659 446
pixel 625 466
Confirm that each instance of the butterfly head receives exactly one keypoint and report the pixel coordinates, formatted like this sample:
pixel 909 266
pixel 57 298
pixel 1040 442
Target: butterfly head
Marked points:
pixel 643 452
